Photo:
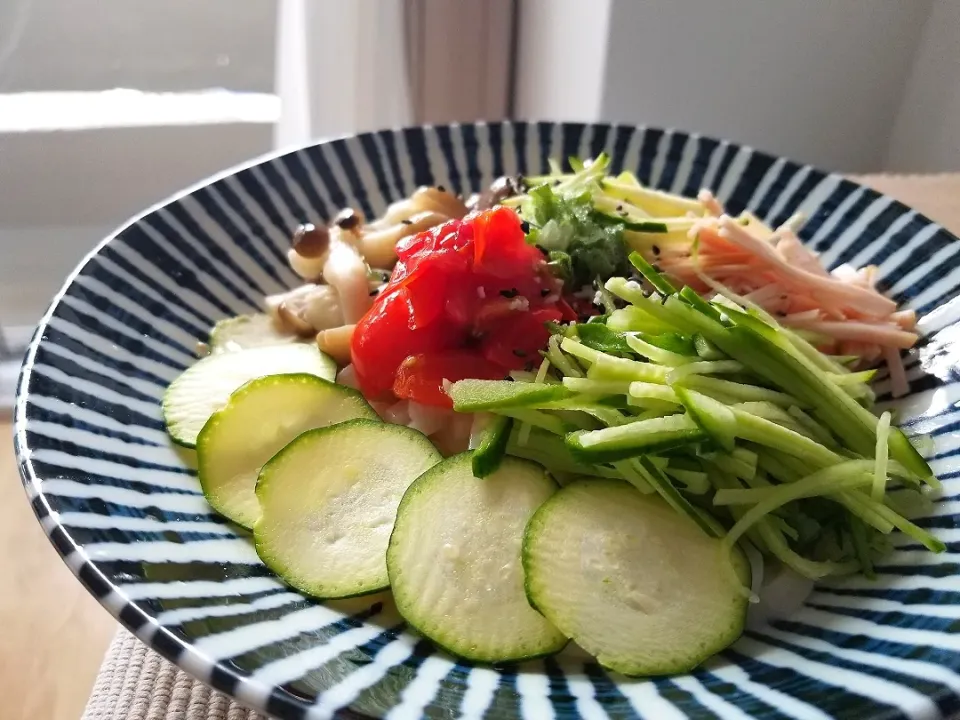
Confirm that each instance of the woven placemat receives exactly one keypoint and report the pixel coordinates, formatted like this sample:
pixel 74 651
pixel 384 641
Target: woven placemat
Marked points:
pixel 137 684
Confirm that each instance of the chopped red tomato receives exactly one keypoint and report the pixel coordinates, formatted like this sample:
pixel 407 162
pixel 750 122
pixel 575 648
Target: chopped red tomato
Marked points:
pixel 469 298
pixel 516 340
pixel 423 377
pixel 388 339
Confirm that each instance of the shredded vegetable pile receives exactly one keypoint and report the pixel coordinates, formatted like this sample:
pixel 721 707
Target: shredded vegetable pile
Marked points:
pixel 698 245
pixel 735 420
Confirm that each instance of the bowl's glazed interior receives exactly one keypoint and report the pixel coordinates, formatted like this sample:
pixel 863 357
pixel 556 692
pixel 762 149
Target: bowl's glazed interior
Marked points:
pixel 123 506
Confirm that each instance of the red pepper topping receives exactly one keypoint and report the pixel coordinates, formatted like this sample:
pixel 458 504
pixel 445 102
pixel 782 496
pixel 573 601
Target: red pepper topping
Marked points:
pixel 467 299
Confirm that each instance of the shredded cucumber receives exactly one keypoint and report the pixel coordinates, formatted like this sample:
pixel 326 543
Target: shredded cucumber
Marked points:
pixel 671 391
pixel 883 450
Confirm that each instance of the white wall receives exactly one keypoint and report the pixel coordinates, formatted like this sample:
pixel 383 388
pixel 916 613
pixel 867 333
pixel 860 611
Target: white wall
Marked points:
pixel 143 44
pixel 562 54
pixel 816 80
pixel 62 190
pixel 926 135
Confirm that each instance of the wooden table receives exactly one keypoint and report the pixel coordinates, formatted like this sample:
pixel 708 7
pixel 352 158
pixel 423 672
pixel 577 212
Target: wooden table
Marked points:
pixel 54 634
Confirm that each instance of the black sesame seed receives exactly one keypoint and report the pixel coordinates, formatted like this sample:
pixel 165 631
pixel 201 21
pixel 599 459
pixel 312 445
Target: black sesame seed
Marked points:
pixel 441 188
pixel 520 353
pixel 407 222
pixel 374 292
pixel 619 208
pixel 656 249
pixel 544 292
pixel 525 226
pixel 511 293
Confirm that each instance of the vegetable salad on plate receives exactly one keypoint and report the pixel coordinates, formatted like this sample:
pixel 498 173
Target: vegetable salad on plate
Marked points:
pixel 570 408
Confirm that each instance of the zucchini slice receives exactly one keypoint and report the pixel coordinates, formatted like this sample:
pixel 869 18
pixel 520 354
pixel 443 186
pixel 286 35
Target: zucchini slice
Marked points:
pixel 249 331
pixel 454 560
pixel 630 580
pixel 205 387
pixel 259 419
pixel 328 502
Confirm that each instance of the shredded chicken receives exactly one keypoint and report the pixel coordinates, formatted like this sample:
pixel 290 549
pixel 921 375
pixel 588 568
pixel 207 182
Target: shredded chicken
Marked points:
pixel 842 311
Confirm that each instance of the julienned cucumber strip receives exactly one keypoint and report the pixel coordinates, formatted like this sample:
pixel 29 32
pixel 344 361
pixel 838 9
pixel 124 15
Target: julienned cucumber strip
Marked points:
pixel 550 451
pixel 706 349
pixel 651 274
pixel 741 391
pixel 477 395
pixel 609 367
pixel 492 446
pixel 768 433
pixel 661 483
pixel 633 319
pixel 567 366
pixel 698 303
pixel 657 202
pixel 740 463
pixel 636 438
pixel 846 475
pixel 694 481
pixel 714 418
pixel 645 226
pixel 537 418
pixel 599 388
pixel 817 431
pixel 653 391
pixel 656 354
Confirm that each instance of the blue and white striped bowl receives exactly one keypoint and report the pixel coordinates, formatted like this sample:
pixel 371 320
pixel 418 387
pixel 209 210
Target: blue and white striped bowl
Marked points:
pixel 124 508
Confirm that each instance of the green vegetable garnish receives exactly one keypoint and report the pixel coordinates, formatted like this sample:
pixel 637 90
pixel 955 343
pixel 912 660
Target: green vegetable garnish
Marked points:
pixel 579 249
